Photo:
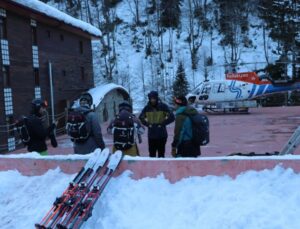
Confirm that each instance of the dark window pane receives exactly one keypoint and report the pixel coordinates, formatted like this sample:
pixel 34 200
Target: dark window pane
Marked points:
pixel 6 76
pixel 3 34
pixel 34 35
pixel 36 77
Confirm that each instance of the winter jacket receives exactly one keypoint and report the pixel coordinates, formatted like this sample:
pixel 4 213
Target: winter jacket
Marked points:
pixel 183 132
pixel 139 130
pixel 95 140
pixel 38 134
pixel 156 118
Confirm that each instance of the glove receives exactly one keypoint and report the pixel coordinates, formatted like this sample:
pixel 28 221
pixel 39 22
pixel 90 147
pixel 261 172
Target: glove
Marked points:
pixel 173 152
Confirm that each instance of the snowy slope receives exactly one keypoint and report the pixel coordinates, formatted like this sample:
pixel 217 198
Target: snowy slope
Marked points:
pixel 139 73
pixel 268 199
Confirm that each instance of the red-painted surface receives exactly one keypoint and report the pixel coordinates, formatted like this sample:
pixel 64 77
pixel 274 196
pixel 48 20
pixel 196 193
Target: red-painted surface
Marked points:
pixel 173 170
pixel 263 130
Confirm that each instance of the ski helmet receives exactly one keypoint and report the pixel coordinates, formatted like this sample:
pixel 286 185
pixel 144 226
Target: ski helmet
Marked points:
pixel 86 97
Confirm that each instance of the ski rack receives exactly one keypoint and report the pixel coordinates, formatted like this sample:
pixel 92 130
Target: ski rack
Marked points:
pixel 292 143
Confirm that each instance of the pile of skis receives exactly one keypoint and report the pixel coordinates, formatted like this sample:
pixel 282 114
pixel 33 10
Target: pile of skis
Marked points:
pixel 76 203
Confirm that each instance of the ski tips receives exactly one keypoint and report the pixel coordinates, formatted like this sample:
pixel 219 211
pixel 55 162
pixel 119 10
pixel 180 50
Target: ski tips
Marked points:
pixel 93 158
pixel 104 155
pixel 115 159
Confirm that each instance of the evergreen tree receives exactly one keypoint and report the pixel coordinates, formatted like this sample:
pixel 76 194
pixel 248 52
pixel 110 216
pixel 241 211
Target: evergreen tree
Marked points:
pixel 180 85
pixel 282 20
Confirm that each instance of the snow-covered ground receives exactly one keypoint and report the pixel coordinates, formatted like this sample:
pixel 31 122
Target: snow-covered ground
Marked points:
pixel 267 199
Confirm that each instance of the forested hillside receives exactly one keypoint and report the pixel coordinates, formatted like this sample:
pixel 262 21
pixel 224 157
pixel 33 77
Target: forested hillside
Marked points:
pixel 144 41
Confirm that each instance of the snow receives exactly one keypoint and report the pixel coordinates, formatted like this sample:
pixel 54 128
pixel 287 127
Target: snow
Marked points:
pixel 265 199
pixel 98 93
pixel 54 13
pixel 37 156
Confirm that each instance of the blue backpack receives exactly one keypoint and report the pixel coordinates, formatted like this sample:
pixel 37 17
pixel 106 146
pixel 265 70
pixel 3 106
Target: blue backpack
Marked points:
pixel 200 129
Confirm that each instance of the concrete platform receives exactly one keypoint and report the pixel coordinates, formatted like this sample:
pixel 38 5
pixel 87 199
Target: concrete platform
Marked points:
pixel 263 130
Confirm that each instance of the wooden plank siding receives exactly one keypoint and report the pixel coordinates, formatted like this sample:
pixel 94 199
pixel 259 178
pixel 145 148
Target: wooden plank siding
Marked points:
pixel 55 44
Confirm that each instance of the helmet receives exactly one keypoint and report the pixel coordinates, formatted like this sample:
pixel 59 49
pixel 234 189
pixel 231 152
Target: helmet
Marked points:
pixel 39 103
pixel 36 104
pixel 86 97
pixel 125 105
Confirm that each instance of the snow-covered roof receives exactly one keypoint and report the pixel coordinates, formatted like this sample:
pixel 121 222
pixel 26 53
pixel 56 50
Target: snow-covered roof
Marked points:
pixel 57 14
pixel 99 92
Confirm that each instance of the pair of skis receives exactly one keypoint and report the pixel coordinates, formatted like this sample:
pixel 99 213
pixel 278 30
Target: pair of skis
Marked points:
pixel 75 205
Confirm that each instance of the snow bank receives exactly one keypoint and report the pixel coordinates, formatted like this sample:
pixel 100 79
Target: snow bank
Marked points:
pixel 266 199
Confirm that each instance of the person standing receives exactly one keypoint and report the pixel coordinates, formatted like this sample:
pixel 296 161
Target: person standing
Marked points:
pixel 84 128
pixel 156 116
pixel 182 145
pixel 37 131
pixel 126 130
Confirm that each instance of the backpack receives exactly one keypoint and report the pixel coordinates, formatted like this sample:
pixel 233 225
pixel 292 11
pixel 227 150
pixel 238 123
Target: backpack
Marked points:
pixel 22 129
pixel 123 132
pixel 200 129
pixel 77 126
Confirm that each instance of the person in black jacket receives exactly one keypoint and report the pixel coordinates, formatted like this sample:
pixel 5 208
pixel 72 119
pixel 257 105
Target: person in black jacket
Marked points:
pixel 37 131
pixel 156 116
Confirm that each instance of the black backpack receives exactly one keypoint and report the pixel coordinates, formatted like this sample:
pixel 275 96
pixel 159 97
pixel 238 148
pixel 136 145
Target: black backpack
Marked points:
pixel 123 132
pixel 77 126
pixel 200 129
pixel 22 129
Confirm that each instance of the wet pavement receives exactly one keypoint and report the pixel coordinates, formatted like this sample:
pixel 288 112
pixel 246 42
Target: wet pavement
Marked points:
pixel 262 130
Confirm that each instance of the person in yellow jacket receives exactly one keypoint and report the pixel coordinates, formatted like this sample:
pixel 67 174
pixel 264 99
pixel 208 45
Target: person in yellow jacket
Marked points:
pixel 126 130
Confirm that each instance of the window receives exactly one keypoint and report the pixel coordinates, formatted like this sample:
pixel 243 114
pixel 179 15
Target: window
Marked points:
pixel 206 89
pixel 80 47
pixel 48 34
pixel 35 56
pixel 37 92
pixel 11 143
pixel 33 35
pixel 36 75
pixel 62 38
pixel 2 12
pixel 5 52
pixel 3 31
pixel 6 76
pixel 32 22
pixel 10 125
pixel 82 73
pixel 8 101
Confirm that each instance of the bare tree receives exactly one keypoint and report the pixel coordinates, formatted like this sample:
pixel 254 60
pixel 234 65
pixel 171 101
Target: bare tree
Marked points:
pixel 134 10
pixel 195 30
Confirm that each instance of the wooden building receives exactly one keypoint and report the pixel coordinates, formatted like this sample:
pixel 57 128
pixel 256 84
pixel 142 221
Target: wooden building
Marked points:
pixel 44 53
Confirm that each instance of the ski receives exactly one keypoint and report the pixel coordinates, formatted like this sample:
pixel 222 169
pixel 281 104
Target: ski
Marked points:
pixel 79 195
pixel 78 182
pixel 84 209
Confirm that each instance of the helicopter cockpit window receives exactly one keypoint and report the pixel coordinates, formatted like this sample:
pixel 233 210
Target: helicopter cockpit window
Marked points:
pixel 206 89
